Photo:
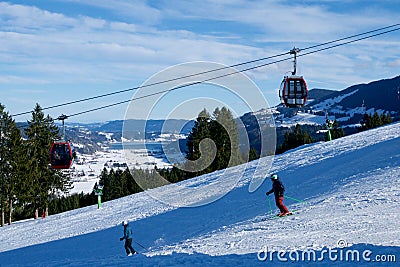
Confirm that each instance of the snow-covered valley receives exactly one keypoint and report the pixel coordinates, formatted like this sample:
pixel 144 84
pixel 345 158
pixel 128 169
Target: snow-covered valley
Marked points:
pixel 87 168
pixel 346 193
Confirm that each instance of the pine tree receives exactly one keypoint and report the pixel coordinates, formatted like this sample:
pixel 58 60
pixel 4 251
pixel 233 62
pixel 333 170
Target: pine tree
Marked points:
pixel 365 122
pixel 213 144
pixel 12 164
pixel 19 168
pixel 225 134
pixel 253 154
pixel 386 118
pixel 376 120
pixel 196 163
pixel 41 133
pixel 295 139
pixel 115 184
pixel 132 185
pixel 5 170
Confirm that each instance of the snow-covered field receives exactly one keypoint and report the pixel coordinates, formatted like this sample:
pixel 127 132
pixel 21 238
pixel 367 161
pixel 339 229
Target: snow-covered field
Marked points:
pixel 347 193
pixel 302 118
pixel 92 166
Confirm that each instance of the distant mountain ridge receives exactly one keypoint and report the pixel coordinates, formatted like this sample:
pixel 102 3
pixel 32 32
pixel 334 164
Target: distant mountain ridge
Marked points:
pixel 319 94
pixel 155 126
pixel 116 126
pixel 382 95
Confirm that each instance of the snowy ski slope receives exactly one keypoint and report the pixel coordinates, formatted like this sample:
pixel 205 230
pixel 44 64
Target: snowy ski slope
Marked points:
pixel 347 192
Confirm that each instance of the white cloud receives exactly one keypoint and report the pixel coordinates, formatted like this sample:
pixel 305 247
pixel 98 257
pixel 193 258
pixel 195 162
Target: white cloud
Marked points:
pixel 12 79
pixel 30 19
pixel 136 10
pixel 91 43
pixel 393 63
pixel 285 21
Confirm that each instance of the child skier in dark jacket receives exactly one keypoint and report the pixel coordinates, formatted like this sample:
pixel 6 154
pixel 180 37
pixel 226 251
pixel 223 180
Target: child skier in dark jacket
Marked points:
pixel 278 189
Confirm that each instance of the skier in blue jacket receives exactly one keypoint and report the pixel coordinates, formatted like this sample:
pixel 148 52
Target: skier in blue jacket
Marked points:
pixel 128 233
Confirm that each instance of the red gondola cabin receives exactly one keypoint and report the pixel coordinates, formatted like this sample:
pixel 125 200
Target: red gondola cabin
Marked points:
pixel 293 92
pixel 61 155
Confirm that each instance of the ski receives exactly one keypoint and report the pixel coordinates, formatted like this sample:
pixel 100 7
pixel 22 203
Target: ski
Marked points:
pixel 275 217
pixel 132 254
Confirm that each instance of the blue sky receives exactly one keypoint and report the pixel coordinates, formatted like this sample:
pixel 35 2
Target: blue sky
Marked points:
pixel 56 51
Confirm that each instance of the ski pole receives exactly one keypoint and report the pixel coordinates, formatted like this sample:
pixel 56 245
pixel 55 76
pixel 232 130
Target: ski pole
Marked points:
pixel 139 244
pixel 269 203
pixel 301 201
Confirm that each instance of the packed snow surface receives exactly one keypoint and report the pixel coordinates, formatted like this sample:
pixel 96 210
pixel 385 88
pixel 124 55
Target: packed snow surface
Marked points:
pixel 346 194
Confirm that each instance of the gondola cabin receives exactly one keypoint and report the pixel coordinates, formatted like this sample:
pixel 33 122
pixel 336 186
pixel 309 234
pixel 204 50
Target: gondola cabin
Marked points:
pixel 293 92
pixel 61 155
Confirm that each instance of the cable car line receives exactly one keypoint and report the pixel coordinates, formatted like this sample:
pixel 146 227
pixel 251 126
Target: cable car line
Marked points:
pixel 348 42
pixel 350 37
pixel 152 84
pixel 293 92
pixel 218 69
pixel 178 87
pixel 231 73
